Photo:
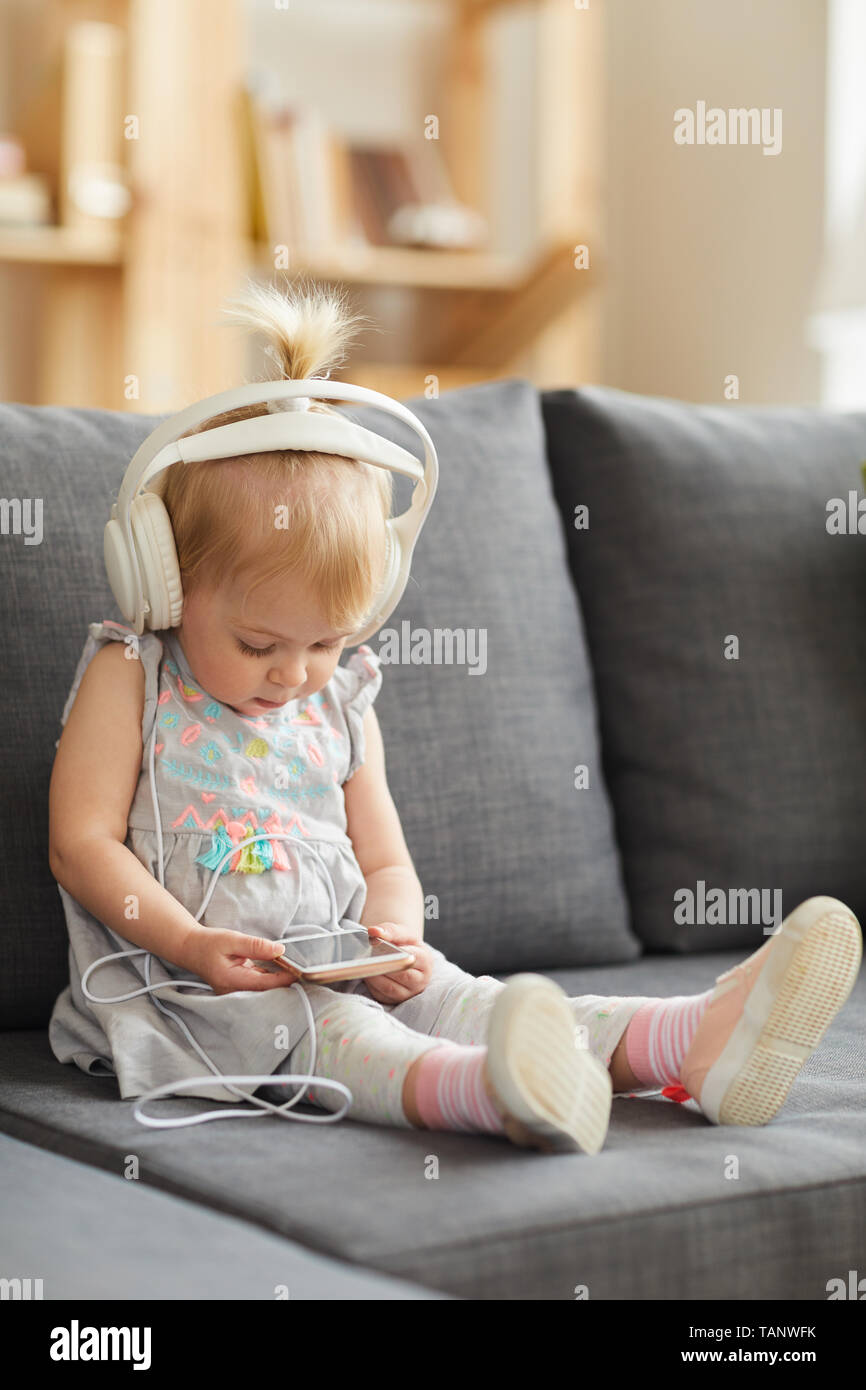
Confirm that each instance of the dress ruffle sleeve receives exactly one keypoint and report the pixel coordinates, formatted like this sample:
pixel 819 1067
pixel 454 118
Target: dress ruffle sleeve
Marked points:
pixel 146 648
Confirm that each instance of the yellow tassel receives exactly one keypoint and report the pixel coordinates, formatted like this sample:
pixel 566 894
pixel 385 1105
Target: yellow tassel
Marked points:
pixel 249 862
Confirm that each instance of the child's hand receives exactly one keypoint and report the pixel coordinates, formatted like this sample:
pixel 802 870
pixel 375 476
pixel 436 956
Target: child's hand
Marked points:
pixel 231 960
pixel 406 982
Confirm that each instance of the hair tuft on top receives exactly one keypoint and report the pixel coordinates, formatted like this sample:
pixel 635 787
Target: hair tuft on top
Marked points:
pixel 308 327
pixel 222 511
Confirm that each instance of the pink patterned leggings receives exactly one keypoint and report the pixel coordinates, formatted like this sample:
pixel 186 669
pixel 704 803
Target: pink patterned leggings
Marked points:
pixel 371 1046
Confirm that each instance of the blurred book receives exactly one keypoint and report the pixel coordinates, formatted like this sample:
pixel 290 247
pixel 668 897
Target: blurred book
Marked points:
pixel 404 197
pixel 276 218
pixel 314 148
pixel 248 132
pixel 382 181
pixel 93 185
pixel 317 193
pixel 296 180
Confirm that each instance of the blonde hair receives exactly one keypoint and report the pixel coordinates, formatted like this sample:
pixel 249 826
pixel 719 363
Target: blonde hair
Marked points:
pixel 223 511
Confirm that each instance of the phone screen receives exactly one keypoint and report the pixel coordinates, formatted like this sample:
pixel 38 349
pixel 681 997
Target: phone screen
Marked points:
pixel 335 949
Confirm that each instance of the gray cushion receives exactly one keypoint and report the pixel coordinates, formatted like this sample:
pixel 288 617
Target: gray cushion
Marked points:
pixel 525 868
pixel 73 460
pixel 706 521
pixel 140 1242
pixel 655 1214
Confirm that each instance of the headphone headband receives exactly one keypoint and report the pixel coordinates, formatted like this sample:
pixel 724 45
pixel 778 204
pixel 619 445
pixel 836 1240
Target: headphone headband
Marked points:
pixel 325 433
pixel 282 428
pixel 260 393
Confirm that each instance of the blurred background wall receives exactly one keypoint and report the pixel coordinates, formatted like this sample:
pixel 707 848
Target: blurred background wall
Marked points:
pixel 716 248
pixel 555 129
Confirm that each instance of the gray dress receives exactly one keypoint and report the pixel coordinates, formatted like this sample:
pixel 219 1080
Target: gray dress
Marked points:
pixel 220 778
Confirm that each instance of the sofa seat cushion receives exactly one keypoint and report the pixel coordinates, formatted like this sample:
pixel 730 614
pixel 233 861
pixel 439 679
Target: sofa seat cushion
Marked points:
pixel 659 1213
pixel 144 1243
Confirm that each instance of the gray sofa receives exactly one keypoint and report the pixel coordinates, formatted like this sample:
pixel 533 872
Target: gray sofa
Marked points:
pixel 670 712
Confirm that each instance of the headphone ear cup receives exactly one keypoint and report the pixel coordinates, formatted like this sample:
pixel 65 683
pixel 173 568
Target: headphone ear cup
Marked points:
pixel 118 567
pixel 160 572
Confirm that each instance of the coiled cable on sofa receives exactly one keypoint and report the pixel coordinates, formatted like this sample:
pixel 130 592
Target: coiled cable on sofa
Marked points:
pixel 284 1111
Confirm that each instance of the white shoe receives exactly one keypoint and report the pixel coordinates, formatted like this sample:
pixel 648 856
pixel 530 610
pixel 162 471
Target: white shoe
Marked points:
pixel 552 1094
pixel 767 1015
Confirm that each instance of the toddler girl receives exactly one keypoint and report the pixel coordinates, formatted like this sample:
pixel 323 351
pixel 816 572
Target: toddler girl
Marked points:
pixel 179 746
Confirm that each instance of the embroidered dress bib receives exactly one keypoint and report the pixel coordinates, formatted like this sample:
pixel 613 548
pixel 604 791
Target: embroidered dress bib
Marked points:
pixel 221 779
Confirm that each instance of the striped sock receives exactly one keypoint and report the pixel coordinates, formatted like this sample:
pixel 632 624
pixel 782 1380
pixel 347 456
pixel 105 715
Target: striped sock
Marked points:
pixel 449 1090
pixel 660 1034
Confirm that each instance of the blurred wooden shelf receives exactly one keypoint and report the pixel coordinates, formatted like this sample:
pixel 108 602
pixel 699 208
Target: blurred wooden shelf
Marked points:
pixel 485 7
pixel 405 383
pixel 62 245
pixel 418 269
pixel 138 299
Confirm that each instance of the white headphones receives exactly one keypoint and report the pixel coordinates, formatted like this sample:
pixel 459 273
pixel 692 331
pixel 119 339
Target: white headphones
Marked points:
pixel 139 548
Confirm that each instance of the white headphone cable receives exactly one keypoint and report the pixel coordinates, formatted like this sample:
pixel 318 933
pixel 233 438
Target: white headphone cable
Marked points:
pixel 230 1082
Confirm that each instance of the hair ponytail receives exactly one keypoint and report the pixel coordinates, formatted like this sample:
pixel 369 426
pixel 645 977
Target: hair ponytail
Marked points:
pixel 308 327
pixel 222 510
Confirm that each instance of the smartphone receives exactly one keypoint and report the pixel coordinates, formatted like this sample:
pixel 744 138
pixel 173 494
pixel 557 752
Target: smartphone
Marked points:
pixel 345 955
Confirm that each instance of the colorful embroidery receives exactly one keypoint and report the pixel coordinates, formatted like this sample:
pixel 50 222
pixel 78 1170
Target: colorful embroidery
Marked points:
pixel 284 741
pixel 227 831
pixel 302 793
pixel 308 715
pixel 257 754
pixel 189 819
pixel 189 692
pixel 195 775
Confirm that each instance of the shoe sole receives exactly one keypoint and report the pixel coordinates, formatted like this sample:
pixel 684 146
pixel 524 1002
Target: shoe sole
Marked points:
pixel 552 1094
pixel 809 972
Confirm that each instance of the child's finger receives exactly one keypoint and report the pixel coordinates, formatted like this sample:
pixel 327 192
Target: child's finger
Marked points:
pixel 390 931
pixel 270 969
pixel 393 990
pixel 254 977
